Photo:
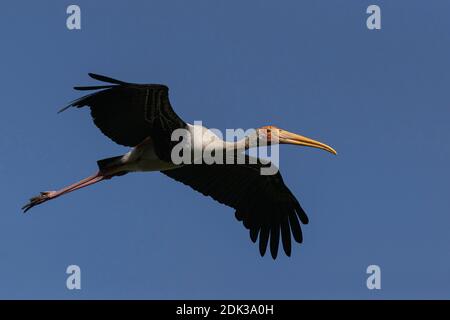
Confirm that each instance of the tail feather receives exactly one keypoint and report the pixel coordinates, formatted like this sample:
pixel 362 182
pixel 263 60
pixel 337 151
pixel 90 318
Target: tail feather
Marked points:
pixel 107 163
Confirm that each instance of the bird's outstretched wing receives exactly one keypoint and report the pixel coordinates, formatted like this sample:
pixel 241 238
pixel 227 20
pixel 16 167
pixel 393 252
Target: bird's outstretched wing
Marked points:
pixel 128 113
pixel 263 203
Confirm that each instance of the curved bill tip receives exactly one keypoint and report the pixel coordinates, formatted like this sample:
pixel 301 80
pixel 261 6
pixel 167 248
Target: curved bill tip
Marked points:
pixel 331 150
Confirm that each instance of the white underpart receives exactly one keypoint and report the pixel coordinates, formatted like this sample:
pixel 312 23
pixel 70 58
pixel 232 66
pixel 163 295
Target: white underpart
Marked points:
pixel 143 157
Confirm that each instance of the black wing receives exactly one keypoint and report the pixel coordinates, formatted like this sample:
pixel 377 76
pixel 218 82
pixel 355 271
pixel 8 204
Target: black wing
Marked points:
pixel 263 202
pixel 127 113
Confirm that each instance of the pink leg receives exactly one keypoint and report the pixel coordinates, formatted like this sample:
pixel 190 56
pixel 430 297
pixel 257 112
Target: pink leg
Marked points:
pixel 49 195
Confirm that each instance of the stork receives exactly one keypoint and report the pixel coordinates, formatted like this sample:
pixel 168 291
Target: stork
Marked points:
pixel 140 116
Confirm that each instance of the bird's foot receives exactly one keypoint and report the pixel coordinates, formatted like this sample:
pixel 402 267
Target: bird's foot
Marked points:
pixel 44 196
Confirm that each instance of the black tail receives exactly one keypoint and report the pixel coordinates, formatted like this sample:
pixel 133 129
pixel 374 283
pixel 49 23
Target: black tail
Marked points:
pixel 108 163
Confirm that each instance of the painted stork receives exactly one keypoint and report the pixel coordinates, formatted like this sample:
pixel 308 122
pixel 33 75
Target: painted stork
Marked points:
pixel 140 116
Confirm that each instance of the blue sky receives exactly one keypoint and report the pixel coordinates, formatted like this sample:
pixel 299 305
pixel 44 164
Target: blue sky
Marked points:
pixel 381 98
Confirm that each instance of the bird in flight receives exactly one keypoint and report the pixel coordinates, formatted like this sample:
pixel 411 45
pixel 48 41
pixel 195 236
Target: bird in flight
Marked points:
pixel 140 116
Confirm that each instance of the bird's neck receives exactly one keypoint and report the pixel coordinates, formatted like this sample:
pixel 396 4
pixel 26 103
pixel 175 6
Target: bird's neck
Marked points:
pixel 209 139
pixel 242 144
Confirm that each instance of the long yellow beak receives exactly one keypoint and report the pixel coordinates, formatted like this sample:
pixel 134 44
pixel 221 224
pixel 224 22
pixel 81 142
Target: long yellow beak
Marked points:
pixel 287 137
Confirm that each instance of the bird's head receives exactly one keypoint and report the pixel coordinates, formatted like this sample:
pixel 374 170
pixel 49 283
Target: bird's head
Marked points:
pixel 272 134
